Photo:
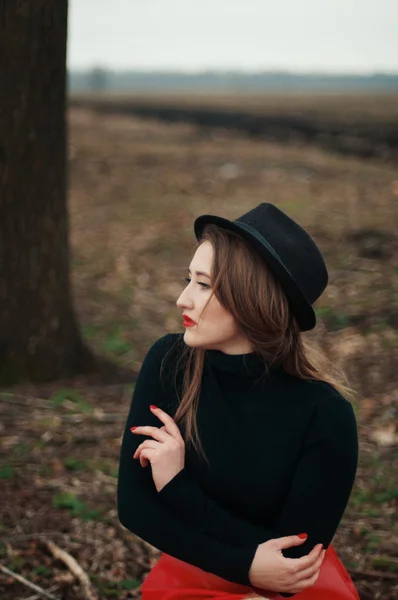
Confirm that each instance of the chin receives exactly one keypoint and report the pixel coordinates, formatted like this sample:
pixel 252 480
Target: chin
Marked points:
pixel 193 342
pixel 189 339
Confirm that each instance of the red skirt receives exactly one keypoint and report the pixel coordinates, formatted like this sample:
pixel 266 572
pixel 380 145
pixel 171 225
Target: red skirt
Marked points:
pixel 172 579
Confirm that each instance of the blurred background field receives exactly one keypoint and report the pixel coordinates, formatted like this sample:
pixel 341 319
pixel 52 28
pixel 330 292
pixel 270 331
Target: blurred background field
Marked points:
pixel 139 184
pixel 135 188
pixel 348 107
pixel 348 122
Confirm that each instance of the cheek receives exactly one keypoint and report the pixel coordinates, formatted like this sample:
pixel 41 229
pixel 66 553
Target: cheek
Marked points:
pixel 217 315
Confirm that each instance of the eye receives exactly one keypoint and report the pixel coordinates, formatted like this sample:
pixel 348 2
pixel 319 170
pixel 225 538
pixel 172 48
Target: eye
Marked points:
pixel 204 286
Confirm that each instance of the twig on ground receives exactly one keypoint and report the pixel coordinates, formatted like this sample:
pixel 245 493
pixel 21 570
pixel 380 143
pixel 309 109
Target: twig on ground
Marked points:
pixel 380 574
pixel 74 567
pixel 14 399
pixel 36 596
pixel 32 536
pixel 28 584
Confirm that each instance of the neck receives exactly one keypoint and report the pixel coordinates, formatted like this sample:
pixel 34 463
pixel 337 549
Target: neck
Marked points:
pixel 238 347
pixel 249 363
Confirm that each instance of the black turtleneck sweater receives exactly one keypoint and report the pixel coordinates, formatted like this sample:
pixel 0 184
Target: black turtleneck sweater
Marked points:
pixel 282 451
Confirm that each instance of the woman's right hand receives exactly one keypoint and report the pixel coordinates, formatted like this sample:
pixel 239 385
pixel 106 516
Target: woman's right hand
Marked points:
pixel 272 571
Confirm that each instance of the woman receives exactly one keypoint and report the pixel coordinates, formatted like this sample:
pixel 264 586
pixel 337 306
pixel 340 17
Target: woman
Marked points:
pixel 251 442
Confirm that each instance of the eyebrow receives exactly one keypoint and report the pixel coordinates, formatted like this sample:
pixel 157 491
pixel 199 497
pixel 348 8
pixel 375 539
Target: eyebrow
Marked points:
pixel 200 273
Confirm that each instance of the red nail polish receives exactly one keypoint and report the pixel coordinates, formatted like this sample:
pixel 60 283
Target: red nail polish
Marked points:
pixel 152 406
pixel 132 428
pixel 302 535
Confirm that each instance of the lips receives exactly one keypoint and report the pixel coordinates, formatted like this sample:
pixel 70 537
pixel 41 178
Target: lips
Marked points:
pixel 188 322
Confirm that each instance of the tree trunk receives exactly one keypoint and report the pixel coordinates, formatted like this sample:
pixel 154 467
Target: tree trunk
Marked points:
pixel 39 336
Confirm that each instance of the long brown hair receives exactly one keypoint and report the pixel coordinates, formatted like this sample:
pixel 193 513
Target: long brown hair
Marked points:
pixel 248 289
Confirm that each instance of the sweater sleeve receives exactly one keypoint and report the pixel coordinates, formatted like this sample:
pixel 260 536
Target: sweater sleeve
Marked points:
pixel 324 477
pixel 318 495
pixel 143 512
pixel 185 495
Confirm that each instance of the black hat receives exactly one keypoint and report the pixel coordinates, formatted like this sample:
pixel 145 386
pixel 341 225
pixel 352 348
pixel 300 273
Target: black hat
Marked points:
pixel 288 250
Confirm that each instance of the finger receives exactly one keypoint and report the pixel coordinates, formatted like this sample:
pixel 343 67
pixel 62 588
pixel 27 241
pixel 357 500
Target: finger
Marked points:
pixel 298 564
pixel 307 583
pixel 288 541
pixel 316 551
pixel 155 432
pixel 170 424
pixel 146 444
pixel 138 456
pixel 311 571
pixel 144 462
pixel 148 454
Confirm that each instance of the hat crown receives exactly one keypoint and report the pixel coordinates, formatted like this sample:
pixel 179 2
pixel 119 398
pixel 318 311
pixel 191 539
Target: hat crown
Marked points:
pixel 293 245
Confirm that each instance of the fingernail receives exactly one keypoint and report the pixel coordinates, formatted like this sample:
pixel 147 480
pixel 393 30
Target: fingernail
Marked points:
pixel 132 428
pixel 302 535
pixel 153 407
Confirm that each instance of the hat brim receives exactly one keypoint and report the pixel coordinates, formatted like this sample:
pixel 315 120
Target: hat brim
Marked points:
pixel 301 308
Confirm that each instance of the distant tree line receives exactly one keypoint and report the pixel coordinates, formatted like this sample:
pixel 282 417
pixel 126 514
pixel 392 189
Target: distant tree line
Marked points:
pixel 99 79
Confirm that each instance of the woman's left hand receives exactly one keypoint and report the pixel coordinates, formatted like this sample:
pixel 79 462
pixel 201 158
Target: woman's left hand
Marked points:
pixel 166 452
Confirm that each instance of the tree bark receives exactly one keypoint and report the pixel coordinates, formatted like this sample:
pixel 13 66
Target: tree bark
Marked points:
pixel 39 335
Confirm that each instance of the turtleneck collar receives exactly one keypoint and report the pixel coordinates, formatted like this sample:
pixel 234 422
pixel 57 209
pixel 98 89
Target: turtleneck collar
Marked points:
pixel 250 364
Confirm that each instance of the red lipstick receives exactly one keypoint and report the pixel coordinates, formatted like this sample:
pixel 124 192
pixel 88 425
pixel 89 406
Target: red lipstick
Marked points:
pixel 188 322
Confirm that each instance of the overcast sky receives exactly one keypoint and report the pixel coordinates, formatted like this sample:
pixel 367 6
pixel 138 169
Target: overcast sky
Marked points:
pixel 300 35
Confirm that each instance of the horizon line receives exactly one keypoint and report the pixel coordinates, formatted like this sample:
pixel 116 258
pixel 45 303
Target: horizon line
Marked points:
pixel 237 71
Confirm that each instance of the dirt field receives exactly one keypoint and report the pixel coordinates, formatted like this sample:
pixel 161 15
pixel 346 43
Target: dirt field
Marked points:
pixel 363 125
pixel 135 188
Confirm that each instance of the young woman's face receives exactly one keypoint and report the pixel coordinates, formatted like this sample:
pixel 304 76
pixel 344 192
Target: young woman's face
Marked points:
pixel 213 327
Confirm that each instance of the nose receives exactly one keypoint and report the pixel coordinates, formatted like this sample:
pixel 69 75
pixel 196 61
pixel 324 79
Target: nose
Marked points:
pixel 184 301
